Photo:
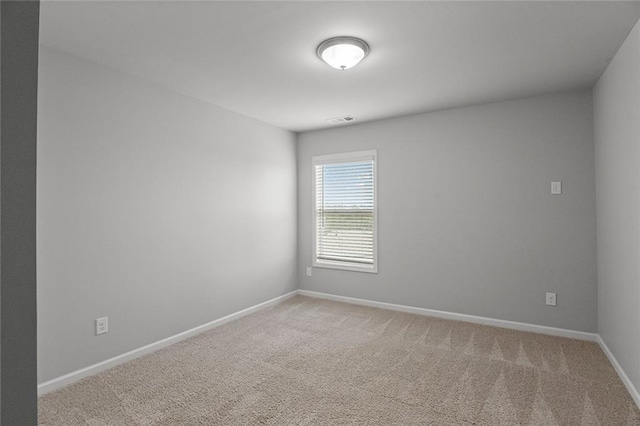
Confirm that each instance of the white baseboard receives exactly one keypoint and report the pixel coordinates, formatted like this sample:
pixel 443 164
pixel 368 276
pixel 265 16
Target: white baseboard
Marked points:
pixel 112 362
pixel 623 376
pixel 553 331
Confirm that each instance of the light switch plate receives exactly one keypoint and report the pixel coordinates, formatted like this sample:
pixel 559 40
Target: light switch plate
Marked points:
pixel 309 271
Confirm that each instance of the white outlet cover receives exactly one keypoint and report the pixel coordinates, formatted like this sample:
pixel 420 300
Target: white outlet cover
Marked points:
pixel 556 188
pixel 309 271
pixel 551 299
pixel 102 325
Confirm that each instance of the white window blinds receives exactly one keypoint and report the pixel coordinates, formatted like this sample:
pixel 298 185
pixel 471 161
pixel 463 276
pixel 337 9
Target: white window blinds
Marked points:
pixel 345 211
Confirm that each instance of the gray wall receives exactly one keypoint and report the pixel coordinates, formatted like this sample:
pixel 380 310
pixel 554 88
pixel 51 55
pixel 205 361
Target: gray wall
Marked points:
pixel 617 142
pixel 155 209
pixel 466 220
pixel 18 104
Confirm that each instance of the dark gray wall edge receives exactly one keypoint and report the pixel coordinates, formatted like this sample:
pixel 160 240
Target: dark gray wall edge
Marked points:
pixel 19 82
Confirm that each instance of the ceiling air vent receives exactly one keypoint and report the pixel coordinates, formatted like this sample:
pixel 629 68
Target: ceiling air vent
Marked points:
pixel 341 120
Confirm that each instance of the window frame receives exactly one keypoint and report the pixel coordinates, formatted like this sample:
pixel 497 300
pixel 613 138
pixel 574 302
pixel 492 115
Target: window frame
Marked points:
pixel 345 157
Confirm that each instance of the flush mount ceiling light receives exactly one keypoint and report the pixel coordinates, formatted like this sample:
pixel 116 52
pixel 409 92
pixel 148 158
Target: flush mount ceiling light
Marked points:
pixel 343 52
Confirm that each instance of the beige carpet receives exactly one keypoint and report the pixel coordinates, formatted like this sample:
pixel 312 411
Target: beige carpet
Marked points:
pixel 308 361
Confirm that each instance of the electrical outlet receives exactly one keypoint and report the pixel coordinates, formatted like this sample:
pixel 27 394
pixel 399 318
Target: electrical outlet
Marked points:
pixel 309 271
pixel 556 188
pixel 102 325
pixel 551 299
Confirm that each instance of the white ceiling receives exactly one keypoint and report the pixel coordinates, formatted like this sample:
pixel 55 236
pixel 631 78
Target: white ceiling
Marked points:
pixel 258 58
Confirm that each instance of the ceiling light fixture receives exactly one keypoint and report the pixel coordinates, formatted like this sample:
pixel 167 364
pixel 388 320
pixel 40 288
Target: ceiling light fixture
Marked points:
pixel 343 52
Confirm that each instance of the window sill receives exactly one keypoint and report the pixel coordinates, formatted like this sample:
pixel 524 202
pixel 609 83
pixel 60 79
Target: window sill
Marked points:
pixel 346 267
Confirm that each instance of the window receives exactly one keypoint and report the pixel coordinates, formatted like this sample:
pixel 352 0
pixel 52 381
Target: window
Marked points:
pixel 345 205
